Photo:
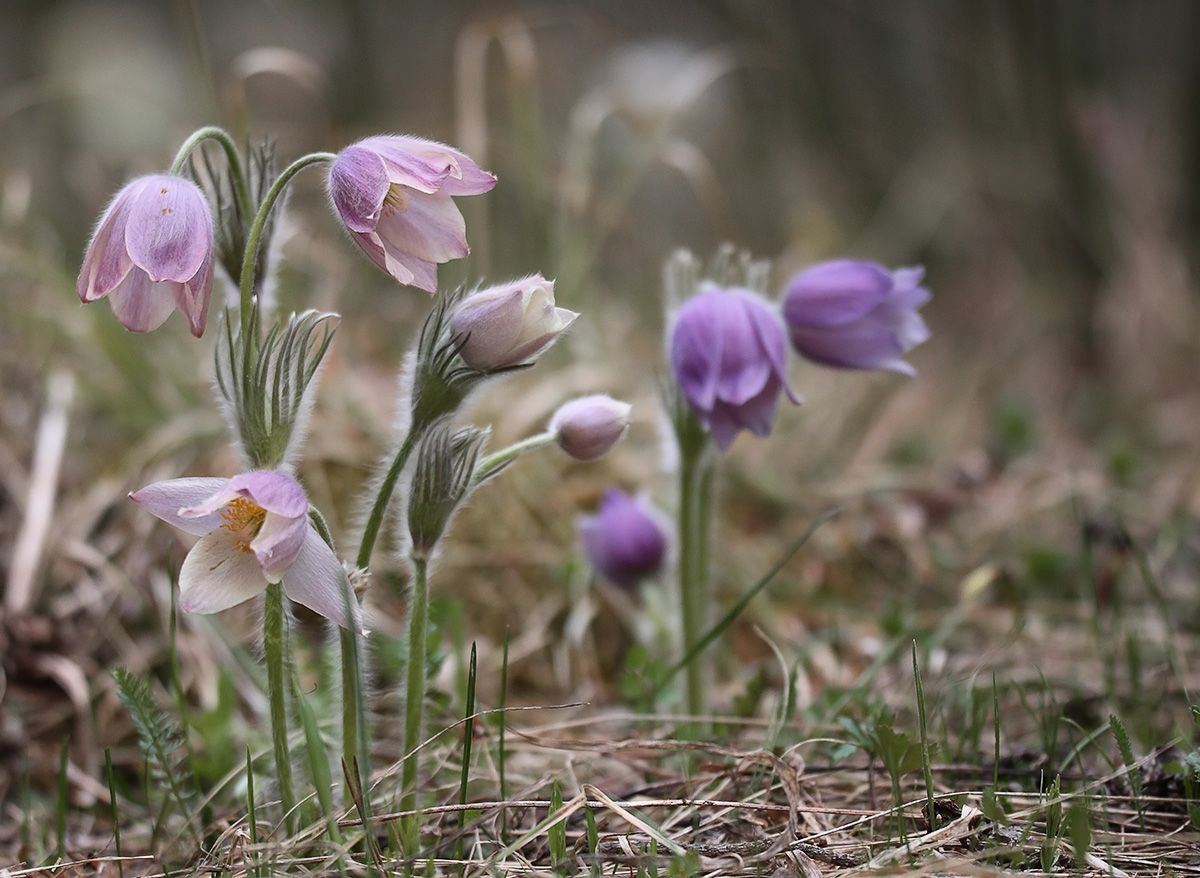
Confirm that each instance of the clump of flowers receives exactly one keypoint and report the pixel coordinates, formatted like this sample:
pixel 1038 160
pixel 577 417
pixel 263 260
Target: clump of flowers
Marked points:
pixel 154 250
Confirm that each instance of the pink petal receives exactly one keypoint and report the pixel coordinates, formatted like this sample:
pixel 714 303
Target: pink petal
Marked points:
pixel 107 261
pixel 358 183
pixel 317 580
pixel 192 297
pixel 835 293
pixel 169 233
pixel 217 575
pixel 167 500
pixel 272 490
pixel 427 226
pixel 140 304
pixel 278 542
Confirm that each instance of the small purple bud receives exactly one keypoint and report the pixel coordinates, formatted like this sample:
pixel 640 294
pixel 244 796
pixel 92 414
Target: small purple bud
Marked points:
pixel 509 324
pixel 856 315
pixel 590 426
pixel 393 194
pixel 729 357
pixel 152 252
pixel 625 540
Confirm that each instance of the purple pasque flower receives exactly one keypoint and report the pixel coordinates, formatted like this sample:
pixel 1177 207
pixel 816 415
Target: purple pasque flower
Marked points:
pixel 254 530
pixel 589 427
pixel 509 324
pixel 394 195
pixel 626 540
pixel 152 252
pixel 729 357
pixel 856 315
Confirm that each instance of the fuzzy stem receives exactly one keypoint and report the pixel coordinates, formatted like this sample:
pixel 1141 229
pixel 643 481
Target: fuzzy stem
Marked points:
pixel 232 156
pixel 386 487
pixel 274 652
pixel 494 463
pixel 695 513
pixel 414 697
pixel 254 238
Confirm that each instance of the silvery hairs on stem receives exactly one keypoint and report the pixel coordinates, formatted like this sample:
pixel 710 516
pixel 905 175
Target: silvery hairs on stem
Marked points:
pixel 441 481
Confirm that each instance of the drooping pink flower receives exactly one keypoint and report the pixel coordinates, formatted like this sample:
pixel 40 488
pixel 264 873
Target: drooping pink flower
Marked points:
pixel 729 358
pixel 589 427
pixel 856 315
pixel 510 323
pixel 626 540
pixel 152 252
pixel 254 530
pixel 394 195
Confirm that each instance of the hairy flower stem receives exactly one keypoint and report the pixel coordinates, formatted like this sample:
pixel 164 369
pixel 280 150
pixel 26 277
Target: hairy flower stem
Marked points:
pixel 273 650
pixel 232 156
pixel 414 696
pixel 494 463
pixel 254 238
pixel 386 489
pixel 695 520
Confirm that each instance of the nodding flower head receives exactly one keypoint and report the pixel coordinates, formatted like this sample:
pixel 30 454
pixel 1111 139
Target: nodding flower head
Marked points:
pixel 254 530
pixel 856 315
pixel 729 357
pixel 152 252
pixel 394 196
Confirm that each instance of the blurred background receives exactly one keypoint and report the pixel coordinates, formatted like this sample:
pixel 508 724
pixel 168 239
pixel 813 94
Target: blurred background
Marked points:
pixel 1040 159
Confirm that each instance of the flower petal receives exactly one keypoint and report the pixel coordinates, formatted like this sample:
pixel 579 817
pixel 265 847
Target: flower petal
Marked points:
pixel 140 304
pixel 317 580
pixel 695 349
pixel 272 490
pixel 358 183
pixel 217 575
pixel 169 233
pixel 107 261
pixel 426 225
pixel 835 293
pixel 166 500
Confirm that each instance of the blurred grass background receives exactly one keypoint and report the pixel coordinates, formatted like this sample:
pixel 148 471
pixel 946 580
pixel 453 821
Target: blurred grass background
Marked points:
pixel 1041 159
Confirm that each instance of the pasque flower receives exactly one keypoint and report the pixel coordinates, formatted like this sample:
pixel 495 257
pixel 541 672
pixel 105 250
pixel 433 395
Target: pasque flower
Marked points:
pixel 625 541
pixel 394 195
pixel 152 252
pixel 254 530
pixel 588 427
pixel 729 358
pixel 509 324
pixel 856 315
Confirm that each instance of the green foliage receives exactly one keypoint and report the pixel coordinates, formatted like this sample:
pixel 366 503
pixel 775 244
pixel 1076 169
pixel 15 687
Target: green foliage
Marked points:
pixel 161 741
pixel 557 834
pixel 1053 815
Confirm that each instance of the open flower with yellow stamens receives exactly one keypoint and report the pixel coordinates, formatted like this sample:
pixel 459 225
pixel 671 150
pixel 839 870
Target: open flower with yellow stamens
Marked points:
pixel 254 530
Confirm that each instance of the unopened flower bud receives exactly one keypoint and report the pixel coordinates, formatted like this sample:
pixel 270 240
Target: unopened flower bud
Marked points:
pixel 588 427
pixel 626 540
pixel 509 324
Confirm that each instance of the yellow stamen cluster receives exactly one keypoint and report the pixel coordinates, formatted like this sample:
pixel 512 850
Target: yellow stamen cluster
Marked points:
pixel 396 200
pixel 242 519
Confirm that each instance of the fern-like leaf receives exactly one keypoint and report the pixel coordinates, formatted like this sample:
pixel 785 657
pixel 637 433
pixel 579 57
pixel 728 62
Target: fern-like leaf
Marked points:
pixel 161 741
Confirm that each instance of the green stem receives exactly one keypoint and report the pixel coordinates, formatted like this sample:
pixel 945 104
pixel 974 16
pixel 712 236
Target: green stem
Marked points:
pixel 414 697
pixel 386 488
pixel 695 512
pixel 254 238
pixel 355 743
pixel 232 156
pixel 494 463
pixel 275 653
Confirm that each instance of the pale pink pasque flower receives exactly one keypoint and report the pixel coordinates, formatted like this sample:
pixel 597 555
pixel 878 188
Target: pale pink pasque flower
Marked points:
pixel 509 324
pixel 626 540
pixel 729 357
pixel 856 315
pixel 152 252
pixel 589 427
pixel 254 530
pixel 394 195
